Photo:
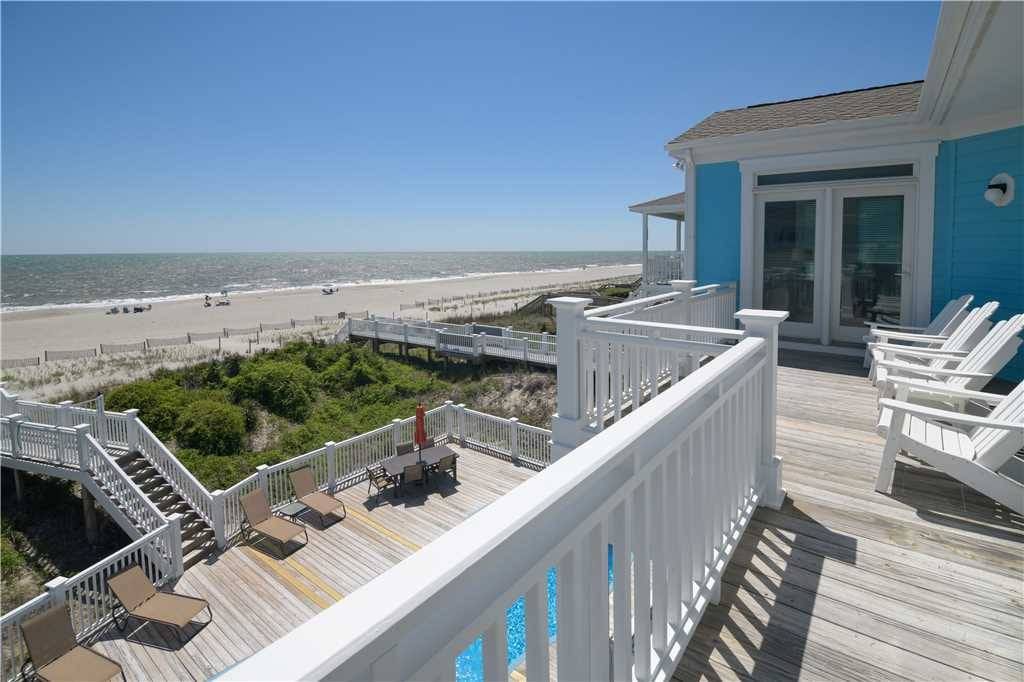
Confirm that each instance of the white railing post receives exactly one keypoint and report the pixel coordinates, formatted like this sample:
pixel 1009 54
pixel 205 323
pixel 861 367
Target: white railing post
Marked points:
pixel 132 429
pixel 332 468
pixel 261 473
pixel 567 423
pixel 449 418
pixel 217 510
pixel 101 420
pixel 82 442
pixel 57 590
pixel 765 324
pixel 64 413
pixel 513 438
pixel 177 561
pixel 15 422
pixel 685 304
pixel 462 423
pixel 396 433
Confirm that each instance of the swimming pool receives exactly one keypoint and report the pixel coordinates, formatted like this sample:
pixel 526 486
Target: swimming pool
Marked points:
pixel 469 665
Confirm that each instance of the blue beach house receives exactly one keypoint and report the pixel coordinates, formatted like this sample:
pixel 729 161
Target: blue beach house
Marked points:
pixel 867 204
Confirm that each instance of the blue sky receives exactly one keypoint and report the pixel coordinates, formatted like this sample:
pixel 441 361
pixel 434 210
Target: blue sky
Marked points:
pixel 305 127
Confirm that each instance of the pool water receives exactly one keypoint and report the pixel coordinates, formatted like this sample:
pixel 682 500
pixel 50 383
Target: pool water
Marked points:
pixel 469 665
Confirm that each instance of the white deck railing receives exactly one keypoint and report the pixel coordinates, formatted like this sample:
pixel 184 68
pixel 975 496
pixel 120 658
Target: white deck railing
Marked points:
pixel 87 594
pixel 666 492
pixel 338 465
pixel 664 267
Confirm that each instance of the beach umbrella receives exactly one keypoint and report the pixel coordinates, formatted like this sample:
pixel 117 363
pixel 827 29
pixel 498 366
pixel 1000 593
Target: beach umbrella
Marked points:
pixel 421 425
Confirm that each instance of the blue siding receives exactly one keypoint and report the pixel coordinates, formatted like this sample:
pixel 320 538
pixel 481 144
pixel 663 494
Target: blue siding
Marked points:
pixel 979 249
pixel 718 218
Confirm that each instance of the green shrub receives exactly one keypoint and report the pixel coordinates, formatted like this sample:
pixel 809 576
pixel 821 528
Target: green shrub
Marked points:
pixel 211 427
pixel 159 402
pixel 11 560
pixel 284 388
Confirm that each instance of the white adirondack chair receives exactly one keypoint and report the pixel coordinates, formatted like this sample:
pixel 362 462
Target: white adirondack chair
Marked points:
pixel 972 371
pixel 951 315
pixel 966 336
pixel 978 451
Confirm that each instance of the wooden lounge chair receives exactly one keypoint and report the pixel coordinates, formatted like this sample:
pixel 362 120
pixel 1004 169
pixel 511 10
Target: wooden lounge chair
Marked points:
pixel 259 519
pixel 964 338
pixel 446 464
pixel 972 371
pixel 307 494
pixel 138 598
pixel 379 479
pixel 942 326
pixel 54 653
pixel 977 451
pixel 414 473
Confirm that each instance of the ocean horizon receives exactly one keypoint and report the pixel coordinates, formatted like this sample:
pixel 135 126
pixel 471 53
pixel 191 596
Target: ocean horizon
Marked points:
pixel 31 282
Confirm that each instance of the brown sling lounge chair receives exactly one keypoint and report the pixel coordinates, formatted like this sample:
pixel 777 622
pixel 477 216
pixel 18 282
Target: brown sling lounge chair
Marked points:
pixel 259 519
pixel 306 493
pixel 139 598
pixel 54 652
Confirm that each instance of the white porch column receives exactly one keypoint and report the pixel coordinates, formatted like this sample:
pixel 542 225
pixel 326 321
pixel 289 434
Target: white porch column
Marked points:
pixel 690 216
pixel 679 236
pixel 567 423
pixel 646 276
pixel 765 324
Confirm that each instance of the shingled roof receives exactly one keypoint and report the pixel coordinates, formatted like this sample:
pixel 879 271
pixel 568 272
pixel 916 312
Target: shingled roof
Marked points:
pixel 883 100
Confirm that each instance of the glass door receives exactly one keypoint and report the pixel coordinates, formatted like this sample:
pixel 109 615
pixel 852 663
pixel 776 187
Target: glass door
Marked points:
pixel 872 233
pixel 786 261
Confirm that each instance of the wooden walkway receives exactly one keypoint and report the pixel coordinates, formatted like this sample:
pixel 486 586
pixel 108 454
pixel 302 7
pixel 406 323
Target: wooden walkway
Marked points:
pixel 846 583
pixel 257 598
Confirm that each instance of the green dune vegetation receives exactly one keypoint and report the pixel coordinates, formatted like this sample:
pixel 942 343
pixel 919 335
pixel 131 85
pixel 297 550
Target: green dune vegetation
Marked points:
pixel 224 417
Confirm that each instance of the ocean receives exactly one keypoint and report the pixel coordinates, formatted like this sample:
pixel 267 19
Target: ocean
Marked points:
pixel 28 282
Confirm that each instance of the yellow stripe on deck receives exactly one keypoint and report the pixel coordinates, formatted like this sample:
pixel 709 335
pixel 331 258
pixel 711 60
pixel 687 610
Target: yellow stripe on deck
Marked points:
pixel 384 530
pixel 315 579
pixel 286 578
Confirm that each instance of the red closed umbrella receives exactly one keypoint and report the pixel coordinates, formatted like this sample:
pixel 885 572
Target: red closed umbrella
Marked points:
pixel 421 426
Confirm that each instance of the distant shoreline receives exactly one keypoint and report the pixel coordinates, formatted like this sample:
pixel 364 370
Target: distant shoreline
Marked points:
pixel 108 303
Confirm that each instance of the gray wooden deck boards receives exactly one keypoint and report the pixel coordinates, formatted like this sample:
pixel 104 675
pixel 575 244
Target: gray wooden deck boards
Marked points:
pixel 257 598
pixel 842 583
pixel 846 583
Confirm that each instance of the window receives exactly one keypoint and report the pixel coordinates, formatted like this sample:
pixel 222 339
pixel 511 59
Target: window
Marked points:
pixel 903 170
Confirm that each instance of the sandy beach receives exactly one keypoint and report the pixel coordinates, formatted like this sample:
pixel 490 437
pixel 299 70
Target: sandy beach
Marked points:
pixel 29 333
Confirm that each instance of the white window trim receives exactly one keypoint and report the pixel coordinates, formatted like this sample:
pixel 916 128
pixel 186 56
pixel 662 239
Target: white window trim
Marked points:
pixel 921 154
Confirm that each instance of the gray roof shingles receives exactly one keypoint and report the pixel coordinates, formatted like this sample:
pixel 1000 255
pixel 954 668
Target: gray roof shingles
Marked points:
pixel 884 100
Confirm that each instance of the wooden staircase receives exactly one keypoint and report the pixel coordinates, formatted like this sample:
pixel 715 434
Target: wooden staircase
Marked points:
pixel 197 538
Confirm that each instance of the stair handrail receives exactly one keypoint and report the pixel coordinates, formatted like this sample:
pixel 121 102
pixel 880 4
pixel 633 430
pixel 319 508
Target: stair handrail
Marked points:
pixel 118 485
pixel 181 480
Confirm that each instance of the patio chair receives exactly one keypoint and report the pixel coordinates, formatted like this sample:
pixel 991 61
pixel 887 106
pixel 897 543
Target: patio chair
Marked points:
pixel 138 598
pixel 969 448
pixel 260 520
pixel 942 325
pixel 307 494
pixel 930 394
pixel 414 473
pixel 404 448
pixel 428 443
pixel 379 479
pixel 965 337
pixel 448 463
pixel 972 371
pixel 54 654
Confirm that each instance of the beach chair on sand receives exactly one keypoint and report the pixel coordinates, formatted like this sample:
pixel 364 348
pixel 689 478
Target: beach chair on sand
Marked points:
pixel 307 494
pixel 138 598
pixel 980 452
pixel 942 326
pixel 54 654
pixel 260 520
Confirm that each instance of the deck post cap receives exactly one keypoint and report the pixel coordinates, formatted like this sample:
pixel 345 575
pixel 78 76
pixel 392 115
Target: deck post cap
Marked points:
pixel 683 284
pixel 570 302
pixel 749 315
pixel 51 585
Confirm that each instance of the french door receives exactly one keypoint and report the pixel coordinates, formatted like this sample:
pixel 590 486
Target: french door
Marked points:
pixel 872 240
pixel 789 259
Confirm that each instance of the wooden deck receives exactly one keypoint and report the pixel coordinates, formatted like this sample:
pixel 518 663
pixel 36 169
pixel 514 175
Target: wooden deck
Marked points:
pixel 846 583
pixel 257 598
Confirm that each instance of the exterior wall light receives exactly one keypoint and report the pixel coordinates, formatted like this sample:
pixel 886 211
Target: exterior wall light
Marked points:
pixel 1000 190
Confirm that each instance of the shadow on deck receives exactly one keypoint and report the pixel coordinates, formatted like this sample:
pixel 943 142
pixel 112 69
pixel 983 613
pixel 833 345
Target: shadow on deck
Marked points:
pixel 846 583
